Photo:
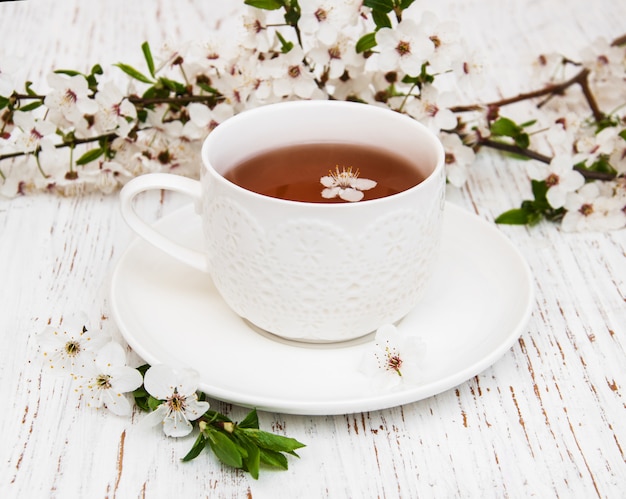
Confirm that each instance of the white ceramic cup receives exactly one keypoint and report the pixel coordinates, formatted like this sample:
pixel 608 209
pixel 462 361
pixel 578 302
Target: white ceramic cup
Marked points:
pixel 310 272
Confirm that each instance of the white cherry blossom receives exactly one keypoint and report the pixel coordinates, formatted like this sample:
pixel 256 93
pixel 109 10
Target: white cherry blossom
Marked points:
pixel 107 380
pixel 617 159
pixel 559 176
pixel 394 359
pixel 36 134
pixel 458 158
pixel 177 390
pixel 337 58
pixel 116 112
pixel 108 176
pixel 289 75
pixel 345 184
pixel 202 119
pixel 432 109
pixel 70 97
pixel 592 146
pixel 256 35
pixel 325 19
pixel 589 210
pixel 70 348
pixel 469 72
pixel 405 47
pixel 445 38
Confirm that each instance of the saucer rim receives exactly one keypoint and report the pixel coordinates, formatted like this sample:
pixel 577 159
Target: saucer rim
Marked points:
pixel 453 214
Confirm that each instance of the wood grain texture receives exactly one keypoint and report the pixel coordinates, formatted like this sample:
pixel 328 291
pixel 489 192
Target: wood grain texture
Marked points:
pixel 547 420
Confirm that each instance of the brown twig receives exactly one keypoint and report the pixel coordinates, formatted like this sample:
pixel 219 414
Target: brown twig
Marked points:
pixel 621 40
pixel 513 149
pixel 581 78
pixel 530 154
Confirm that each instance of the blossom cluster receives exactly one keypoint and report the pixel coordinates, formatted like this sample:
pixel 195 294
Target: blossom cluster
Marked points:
pixel 87 133
pixel 98 366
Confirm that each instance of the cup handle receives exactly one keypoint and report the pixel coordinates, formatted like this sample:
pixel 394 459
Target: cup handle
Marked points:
pixel 172 182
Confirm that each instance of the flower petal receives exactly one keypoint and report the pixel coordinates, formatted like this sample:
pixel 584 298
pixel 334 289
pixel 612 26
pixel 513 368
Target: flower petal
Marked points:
pixel 194 408
pixel 117 403
pixel 330 193
pixel 111 354
pixel 159 381
pixel 125 379
pixel 176 425
pixel 155 417
pixel 351 195
pixel 364 184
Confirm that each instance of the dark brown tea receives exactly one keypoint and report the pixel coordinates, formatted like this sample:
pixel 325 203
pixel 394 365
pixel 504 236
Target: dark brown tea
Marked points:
pixel 326 173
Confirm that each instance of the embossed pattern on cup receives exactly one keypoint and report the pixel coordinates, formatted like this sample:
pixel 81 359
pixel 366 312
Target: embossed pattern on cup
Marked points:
pixel 311 272
pixel 309 279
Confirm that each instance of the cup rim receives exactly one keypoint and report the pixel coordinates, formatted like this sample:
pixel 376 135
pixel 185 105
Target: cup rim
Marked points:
pixel 432 177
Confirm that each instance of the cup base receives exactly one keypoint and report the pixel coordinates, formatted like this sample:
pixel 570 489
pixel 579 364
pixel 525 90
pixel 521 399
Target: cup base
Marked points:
pixel 330 344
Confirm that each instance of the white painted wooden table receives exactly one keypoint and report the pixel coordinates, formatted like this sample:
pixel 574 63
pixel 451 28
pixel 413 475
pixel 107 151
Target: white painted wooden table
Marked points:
pixel 547 420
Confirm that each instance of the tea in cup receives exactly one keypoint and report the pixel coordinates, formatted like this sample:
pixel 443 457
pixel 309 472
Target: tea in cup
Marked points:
pixel 321 219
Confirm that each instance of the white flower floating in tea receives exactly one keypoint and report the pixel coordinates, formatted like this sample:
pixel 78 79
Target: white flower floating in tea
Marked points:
pixel 395 358
pixel 346 184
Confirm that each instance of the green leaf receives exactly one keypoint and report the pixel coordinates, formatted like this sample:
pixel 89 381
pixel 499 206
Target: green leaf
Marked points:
pixel 292 14
pixel 174 86
pixel 196 449
pixel 224 448
pixel 270 441
pixel 90 156
pixel 31 106
pixel 381 19
pixel 540 189
pixel 265 4
pixel 153 403
pixel 133 73
pixel 252 461
pixel 526 124
pixel 142 115
pixel 366 42
pixel 28 89
pixel 68 72
pixel 285 46
pixel 208 88
pixel 522 140
pixel 96 70
pixel 405 4
pixel 250 421
pixel 517 216
pixel 213 416
pixel 4 102
pixel 274 459
pixel 601 165
pixel 216 416
pixel 141 398
pixel 147 53
pixel 505 127
pixel 379 5
pixel 622 134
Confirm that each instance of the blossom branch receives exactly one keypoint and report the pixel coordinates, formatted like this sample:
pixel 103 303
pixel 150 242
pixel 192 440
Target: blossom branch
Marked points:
pixel 581 78
pixel 530 154
pixel 366 51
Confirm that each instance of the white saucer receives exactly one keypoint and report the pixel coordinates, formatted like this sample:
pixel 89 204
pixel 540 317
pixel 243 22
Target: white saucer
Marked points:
pixel 475 309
